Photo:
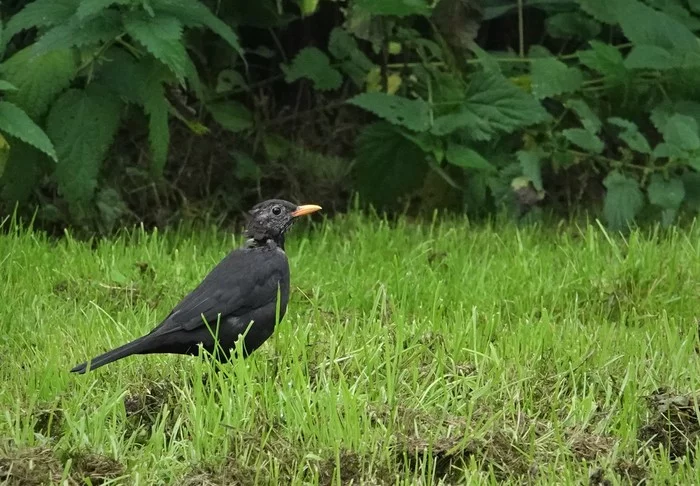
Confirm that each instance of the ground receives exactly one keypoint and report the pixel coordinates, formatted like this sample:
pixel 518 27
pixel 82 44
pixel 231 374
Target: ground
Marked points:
pixel 411 353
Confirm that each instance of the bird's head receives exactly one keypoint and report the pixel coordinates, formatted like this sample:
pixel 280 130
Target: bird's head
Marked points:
pixel 270 219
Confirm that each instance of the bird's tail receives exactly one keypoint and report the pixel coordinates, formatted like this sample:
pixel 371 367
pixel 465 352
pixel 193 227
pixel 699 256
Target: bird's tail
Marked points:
pixel 137 346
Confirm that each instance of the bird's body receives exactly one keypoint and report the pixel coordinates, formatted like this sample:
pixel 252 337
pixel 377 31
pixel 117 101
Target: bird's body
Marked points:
pixel 245 294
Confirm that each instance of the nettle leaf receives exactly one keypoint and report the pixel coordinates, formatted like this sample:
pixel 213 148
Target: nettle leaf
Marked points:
pixel 681 131
pixel 531 165
pixel 412 114
pixel 79 33
pixel 551 77
pixel 162 37
pixel 313 64
pixel 467 158
pixel 623 200
pixel 354 63
pixel 584 139
pixel 88 8
pixel 193 13
pixel 22 171
pixel 39 13
pixel 602 10
pixel 399 8
pixel 661 113
pixel 691 187
pixel 643 25
pixel 5 86
pixel 231 115
pixel 604 59
pixel 567 25
pixel 588 118
pixel 666 194
pixel 82 124
pixel 631 135
pixel 493 105
pixel 659 58
pixel 39 79
pixel 388 164
pixel 14 121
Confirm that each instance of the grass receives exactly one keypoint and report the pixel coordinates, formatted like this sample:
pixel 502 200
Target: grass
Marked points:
pixel 410 354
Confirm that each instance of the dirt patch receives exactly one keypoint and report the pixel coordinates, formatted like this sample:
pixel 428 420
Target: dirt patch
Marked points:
pixel 144 404
pixel 673 423
pixel 48 422
pixel 36 466
pixel 587 446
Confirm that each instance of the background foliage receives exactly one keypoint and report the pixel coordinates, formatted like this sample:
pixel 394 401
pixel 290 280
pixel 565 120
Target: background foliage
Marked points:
pixel 132 110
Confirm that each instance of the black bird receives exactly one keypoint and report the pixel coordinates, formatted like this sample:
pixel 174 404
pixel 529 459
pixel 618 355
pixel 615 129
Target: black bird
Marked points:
pixel 240 294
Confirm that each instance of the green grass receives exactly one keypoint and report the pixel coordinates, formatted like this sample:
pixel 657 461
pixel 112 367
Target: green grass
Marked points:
pixel 409 353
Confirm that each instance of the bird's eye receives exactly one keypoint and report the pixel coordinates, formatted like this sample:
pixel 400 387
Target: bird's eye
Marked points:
pixel 276 210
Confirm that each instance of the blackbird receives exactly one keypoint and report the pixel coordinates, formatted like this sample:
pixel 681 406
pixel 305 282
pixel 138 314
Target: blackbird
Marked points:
pixel 242 293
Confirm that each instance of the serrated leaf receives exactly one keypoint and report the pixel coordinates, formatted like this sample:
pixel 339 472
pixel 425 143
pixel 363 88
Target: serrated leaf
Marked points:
pixel 88 8
pixel 643 25
pixel 567 25
pixel 38 79
pixel 162 37
pixel 623 201
pixel 412 114
pixel 631 135
pixel 14 121
pixel 681 131
pixel 655 57
pixel 82 125
pixel 193 13
pixel 602 10
pixel 399 8
pixel 353 61
pixel 531 164
pixel 588 118
pixel 667 194
pixel 551 77
pixel 604 59
pixel 584 139
pixel 231 115
pixel 156 106
pixel 388 165
pixel 467 158
pixel 39 13
pixel 79 33
pixel 662 112
pixel 493 105
pixel 313 64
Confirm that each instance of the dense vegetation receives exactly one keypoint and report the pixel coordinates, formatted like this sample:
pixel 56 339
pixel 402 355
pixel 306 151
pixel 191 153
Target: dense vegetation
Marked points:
pixel 482 355
pixel 118 110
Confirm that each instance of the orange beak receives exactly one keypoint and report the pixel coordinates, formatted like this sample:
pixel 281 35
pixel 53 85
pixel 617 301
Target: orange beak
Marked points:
pixel 305 209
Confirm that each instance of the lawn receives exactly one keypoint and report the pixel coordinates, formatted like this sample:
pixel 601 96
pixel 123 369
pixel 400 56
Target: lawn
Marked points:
pixel 411 354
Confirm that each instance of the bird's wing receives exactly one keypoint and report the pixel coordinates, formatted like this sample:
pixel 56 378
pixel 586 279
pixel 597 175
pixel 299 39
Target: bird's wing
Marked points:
pixel 244 280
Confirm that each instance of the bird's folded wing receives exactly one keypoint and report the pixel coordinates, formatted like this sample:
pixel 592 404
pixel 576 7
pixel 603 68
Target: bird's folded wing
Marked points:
pixel 241 282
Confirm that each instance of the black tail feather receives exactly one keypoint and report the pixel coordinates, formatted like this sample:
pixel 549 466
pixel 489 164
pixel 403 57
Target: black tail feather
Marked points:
pixel 138 346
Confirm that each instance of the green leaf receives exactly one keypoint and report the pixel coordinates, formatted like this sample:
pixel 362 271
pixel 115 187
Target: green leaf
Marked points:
pixel 399 8
pixel 643 25
pixel 39 13
pixel 193 13
pixel 38 79
pixel 691 187
pixel 231 115
pixel 584 139
pixel 388 165
pixel 551 77
pixel 162 37
pixel 567 25
pixel 658 58
pixel 631 135
pixel 668 195
pixel 531 164
pixel 623 200
pixel 88 8
pixel 14 121
pixel 467 158
pixel 602 10
pixel 313 64
pixel 682 131
pixel 412 114
pixel 588 118
pixel 157 108
pixel 662 112
pixel 82 124
pixel 353 61
pixel 79 33
pixel 493 105
pixel 604 59
pixel 5 86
